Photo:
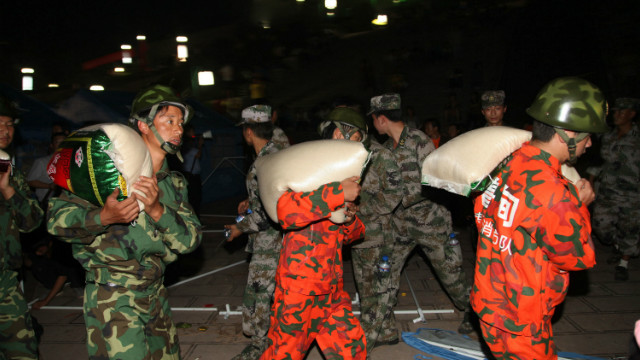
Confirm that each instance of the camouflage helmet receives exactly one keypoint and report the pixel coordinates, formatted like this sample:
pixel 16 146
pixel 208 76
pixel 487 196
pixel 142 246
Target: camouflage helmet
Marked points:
pixel 7 108
pixel 347 120
pixel 156 95
pixel 571 103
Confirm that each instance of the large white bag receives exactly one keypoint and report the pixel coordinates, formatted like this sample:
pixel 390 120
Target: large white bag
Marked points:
pixel 460 165
pixel 307 166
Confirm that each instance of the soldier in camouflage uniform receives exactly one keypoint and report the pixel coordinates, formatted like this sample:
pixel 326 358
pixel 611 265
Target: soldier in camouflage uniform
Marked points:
pixel 617 208
pixel 417 220
pixel 125 252
pixel 534 225
pixel 310 302
pixel 265 239
pixel 19 212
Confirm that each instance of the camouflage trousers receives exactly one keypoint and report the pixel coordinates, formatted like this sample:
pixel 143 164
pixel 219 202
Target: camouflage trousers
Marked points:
pixel 17 338
pixel 616 221
pixel 505 345
pixel 376 295
pixel 256 303
pixel 126 324
pixel 299 319
pixel 428 225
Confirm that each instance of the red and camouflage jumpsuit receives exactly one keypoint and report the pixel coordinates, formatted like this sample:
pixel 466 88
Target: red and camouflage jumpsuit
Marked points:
pixel 309 301
pixel 532 230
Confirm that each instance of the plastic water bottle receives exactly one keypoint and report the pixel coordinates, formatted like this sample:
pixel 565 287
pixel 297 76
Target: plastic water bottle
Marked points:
pixel 239 218
pixel 384 266
pixel 453 241
pixel 454 244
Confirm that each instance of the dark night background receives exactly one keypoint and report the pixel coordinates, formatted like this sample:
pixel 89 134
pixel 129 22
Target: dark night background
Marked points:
pixel 435 48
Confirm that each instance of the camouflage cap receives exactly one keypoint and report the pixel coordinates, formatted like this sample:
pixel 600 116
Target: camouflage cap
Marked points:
pixel 627 103
pixel 255 114
pixel 384 102
pixel 492 98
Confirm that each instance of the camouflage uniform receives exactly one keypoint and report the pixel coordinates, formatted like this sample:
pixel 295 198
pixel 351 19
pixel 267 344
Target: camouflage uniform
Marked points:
pixel 533 229
pixel 20 213
pixel 280 138
pixel 419 221
pixel 126 311
pixel 381 193
pixel 310 302
pixel 617 208
pixel 265 242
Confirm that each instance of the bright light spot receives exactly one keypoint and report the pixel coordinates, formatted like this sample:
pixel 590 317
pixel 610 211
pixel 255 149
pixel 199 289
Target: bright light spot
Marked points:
pixel 205 78
pixel 299 0
pixel 564 111
pixel 266 24
pixel 330 13
pixel 380 20
pixel 183 53
pixel 181 39
pixel 126 57
pixel 53 85
pixel 27 70
pixel 125 47
pixel 96 88
pixel 330 4
pixel 141 37
pixel 27 83
pixel 118 69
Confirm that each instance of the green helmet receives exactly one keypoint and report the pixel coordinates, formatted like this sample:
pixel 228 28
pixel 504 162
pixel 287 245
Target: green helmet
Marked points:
pixel 571 103
pixel 149 100
pixel 7 108
pixel 347 120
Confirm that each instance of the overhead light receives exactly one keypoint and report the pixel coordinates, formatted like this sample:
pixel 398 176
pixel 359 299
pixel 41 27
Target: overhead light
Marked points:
pixel 205 78
pixel 266 24
pixel 27 70
pixel 330 4
pixel 141 37
pixel 330 13
pixel 381 20
pixel 27 83
pixel 183 53
pixel 52 85
pixel 126 57
pixel 125 47
pixel 96 88
pixel 299 0
pixel 118 69
pixel 182 39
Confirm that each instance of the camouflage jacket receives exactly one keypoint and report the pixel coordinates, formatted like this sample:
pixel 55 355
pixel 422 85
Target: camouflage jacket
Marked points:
pixel 264 234
pixel 620 174
pixel 413 147
pixel 311 257
pixel 532 229
pixel 280 138
pixel 131 255
pixel 381 193
pixel 21 213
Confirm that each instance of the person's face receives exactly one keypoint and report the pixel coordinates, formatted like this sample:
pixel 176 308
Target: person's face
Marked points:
pixel 494 114
pixel 337 135
pixel 6 131
pixel 581 146
pixel 623 116
pixel 430 130
pixel 452 131
pixel 246 134
pixel 378 123
pixel 169 124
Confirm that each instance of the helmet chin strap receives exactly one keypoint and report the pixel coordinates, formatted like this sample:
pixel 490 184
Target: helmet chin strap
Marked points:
pixel 165 145
pixel 571 143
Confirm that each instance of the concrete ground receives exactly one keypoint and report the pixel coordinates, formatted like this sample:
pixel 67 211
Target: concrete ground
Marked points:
pixel 596 319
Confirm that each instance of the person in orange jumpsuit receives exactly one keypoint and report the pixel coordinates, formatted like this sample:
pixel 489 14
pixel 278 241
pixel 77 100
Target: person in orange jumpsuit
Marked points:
pixel 309 301
pixel 534 225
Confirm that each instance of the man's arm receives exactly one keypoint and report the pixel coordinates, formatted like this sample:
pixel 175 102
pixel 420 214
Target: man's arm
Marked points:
pixel 25 211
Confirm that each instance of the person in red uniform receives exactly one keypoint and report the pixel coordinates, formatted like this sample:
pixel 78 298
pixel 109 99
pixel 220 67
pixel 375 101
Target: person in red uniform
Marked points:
pixel 309 301
pixel 534 225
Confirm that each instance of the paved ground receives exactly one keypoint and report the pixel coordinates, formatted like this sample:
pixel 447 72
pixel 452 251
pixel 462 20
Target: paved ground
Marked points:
pixel 596 318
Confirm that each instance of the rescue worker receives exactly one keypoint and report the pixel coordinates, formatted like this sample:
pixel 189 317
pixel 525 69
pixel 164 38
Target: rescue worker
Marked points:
pixel 533 224
pixel 19 212
pixel 493 107
pixel 125 251
pixel 265 239
pixel 418 220
pixel 310 302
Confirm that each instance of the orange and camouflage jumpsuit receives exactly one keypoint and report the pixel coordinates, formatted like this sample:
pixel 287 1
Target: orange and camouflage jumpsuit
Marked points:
pixel 532 230
pixel 309 302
